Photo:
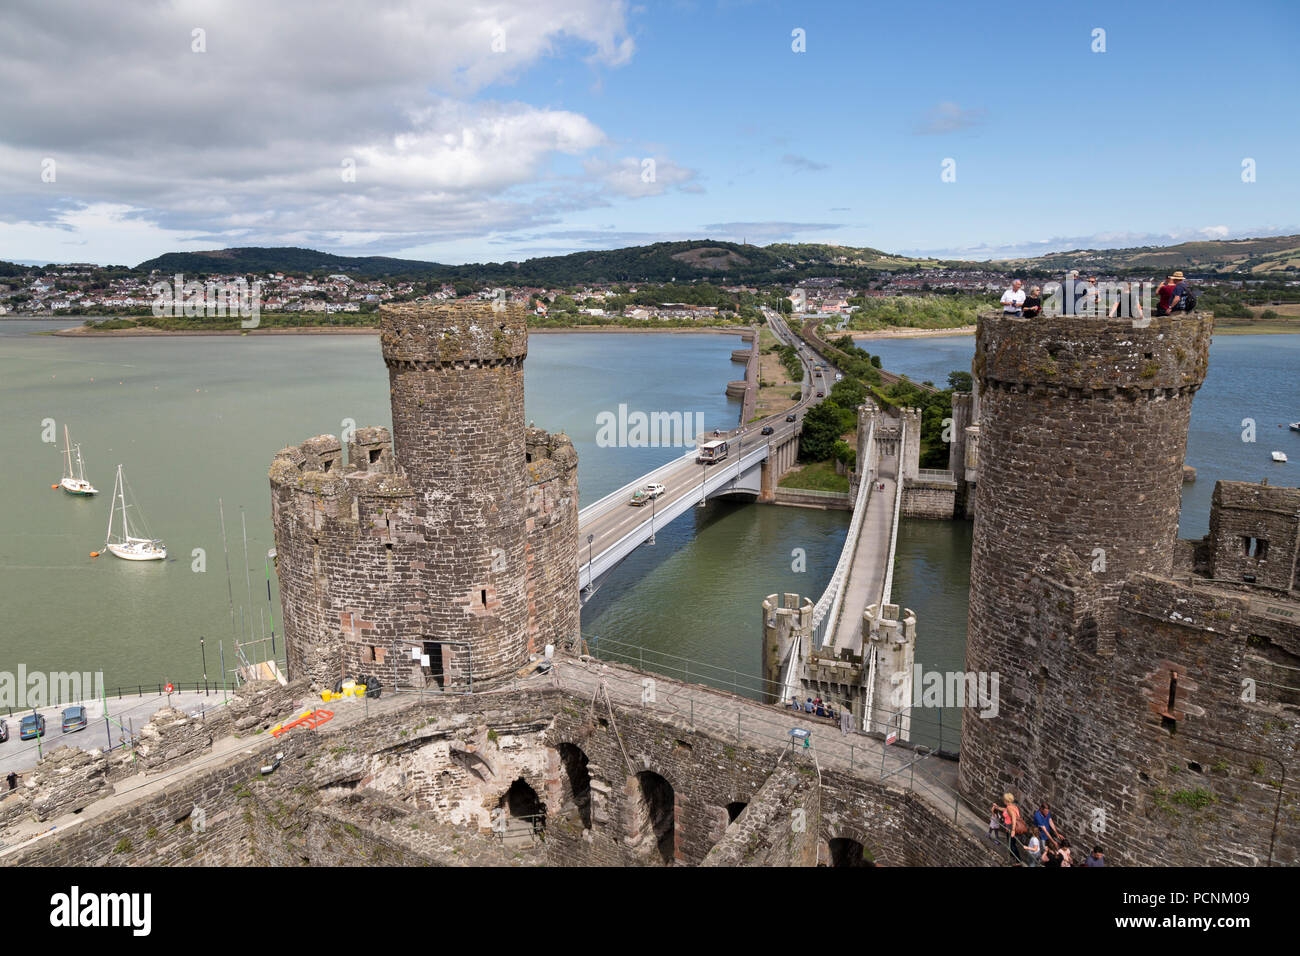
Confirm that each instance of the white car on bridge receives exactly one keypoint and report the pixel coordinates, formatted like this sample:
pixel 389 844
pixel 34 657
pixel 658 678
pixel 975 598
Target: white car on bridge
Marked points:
pixel 647 493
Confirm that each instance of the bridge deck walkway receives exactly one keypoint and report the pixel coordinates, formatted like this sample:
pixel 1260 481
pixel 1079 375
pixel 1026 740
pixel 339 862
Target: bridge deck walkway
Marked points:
pixel 866 578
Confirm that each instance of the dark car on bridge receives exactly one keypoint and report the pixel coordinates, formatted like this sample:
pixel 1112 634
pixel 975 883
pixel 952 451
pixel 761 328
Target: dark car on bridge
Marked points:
pixel 767 430
pixel 791 418
pixel 821 394
pixel 32 726
pixel 74 719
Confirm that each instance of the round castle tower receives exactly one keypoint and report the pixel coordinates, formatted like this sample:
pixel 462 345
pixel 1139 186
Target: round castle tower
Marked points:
pixel 1083 429
pixel 456 373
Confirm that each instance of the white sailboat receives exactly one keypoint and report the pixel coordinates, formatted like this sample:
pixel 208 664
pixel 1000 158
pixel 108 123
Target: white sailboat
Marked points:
pixel 126 545
pixel 74 477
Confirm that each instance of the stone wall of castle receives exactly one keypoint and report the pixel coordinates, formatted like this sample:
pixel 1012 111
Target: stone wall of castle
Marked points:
pixel 457 384
pixel 551 545
pixel 1169 740
pixel 428 780
pixel 1144 681
pixel 1083 426
pixel 455 541
pixel 348 548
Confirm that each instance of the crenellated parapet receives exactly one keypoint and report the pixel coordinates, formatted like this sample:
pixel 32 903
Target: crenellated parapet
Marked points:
pixel 454 334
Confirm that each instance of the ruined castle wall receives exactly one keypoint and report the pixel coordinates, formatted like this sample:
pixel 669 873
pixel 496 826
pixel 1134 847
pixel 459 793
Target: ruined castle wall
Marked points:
pixel 780 826
pixel 414 780
pixel 1083 428
pixel 551 546
pixel 457 383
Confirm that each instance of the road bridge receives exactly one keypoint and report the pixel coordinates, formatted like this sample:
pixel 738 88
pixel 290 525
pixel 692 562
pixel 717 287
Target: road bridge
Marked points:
pixel 610 529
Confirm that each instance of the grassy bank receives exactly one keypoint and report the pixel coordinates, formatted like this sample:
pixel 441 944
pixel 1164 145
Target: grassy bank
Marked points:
pixel 817 476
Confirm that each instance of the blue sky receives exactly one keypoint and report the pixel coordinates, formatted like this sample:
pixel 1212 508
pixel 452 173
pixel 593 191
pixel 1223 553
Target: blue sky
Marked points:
pixel 468 152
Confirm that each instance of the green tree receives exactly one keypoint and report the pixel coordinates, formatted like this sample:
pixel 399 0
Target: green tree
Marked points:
pixel 822 427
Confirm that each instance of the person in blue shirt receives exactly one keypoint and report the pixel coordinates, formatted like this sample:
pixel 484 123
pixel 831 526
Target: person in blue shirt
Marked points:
pixel 1098 858
pixel 1046 826
pixel 1180 298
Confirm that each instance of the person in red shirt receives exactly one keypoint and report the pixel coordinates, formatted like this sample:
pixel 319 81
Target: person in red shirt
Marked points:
pixel 1166 294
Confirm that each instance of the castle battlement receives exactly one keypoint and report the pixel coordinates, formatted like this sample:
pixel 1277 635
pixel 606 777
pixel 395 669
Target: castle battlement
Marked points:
pixel 1080 355
pixel 456 334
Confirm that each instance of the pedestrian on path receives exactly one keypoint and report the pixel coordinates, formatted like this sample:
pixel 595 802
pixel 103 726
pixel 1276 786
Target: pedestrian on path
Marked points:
pixel 846 721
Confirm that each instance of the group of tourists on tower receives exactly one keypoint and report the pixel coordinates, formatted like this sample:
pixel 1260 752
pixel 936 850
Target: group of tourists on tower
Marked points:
pixel 1085 297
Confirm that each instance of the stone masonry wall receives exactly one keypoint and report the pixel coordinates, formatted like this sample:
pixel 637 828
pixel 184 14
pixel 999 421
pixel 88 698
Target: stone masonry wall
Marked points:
pixel 424 780
pixel 551 548
pixel 1166 762
pixel 1082 434
pixel 457 384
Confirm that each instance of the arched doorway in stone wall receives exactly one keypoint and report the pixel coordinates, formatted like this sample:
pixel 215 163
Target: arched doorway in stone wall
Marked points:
pixel 652 823
pixel 521 816
pixel 575 784
pixel 844 851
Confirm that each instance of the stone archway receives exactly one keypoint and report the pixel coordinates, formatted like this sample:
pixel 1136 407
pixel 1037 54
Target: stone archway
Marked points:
pixel 575 784
pixel 844 851
pixel 521 816
pixel 652 818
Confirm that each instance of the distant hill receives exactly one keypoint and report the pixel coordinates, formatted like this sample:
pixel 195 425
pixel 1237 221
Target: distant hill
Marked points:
pixel 1270 257
pixel 281 259
pixel 729 262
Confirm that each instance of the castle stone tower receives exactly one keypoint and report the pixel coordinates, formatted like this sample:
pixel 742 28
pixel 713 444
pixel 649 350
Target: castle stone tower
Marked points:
pixel 1083 427
pixel 457 383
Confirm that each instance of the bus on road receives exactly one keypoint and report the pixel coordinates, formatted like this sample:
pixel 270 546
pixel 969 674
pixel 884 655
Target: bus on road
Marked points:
pixel 712 451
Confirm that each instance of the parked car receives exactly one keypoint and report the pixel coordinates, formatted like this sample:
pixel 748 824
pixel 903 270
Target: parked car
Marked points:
pixel 74 719
pixel 821 394
pixel 768 429
pixel 791 418
pixel 32 726
pixel 4 731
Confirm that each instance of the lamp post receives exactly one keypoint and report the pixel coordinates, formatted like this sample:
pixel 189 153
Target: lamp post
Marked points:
pixel 590 537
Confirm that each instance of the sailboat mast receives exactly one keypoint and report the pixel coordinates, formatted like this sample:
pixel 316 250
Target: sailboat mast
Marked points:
pixel 108 537
pixel 126 528
pixel 67 451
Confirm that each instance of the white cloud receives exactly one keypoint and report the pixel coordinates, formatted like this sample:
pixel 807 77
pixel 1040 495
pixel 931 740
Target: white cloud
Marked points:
pixel 247 139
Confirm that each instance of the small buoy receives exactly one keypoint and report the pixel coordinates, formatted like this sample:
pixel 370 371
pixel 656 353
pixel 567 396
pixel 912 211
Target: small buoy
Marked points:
pixel 94 554
pixel 54 487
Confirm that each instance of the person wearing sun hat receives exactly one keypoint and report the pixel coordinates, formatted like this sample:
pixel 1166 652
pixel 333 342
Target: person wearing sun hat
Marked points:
pixel 1182 300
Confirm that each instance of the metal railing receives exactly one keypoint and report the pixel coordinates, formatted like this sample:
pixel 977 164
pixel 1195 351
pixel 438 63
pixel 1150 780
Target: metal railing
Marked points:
pixel 887 589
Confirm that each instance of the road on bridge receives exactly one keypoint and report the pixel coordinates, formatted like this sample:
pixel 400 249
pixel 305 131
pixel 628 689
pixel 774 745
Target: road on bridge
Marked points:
pixel 611 521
